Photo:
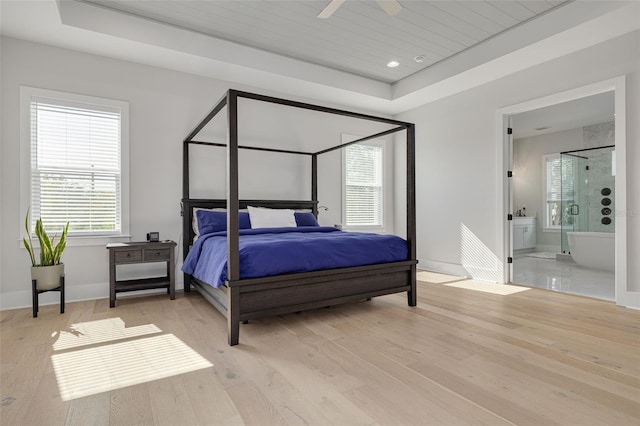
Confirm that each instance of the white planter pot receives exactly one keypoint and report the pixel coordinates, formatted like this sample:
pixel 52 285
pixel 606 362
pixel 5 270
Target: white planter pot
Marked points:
pixel 47 277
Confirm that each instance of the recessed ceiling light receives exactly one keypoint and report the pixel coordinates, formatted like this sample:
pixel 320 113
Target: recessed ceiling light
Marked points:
pixel 393 64
pixel 419 59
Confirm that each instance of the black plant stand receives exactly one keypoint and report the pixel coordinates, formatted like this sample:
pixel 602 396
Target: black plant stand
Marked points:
pixel 36 293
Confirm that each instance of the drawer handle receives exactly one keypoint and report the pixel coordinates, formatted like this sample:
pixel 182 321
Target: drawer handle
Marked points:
pixel 157 253
pixel 128 254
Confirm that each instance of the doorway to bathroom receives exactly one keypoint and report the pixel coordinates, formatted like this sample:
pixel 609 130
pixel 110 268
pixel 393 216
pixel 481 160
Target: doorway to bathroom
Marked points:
pixel 563 154
pixel 569 236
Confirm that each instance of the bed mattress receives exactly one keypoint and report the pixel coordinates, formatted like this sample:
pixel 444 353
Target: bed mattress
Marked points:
pixel 276 251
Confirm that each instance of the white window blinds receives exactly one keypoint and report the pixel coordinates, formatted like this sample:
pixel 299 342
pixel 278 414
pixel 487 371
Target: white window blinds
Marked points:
pixel 363 185
pixel 553 168
pixel 76 166
pixel 554 177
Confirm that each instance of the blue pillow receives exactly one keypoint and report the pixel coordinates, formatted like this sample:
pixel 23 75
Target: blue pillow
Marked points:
pixel 216 221
pixel 305 219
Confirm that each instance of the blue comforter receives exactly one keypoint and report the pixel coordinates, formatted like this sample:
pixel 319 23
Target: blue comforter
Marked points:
pixel 275 251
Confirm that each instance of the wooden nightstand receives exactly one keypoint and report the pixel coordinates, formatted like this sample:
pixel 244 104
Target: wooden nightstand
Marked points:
pixel 141 252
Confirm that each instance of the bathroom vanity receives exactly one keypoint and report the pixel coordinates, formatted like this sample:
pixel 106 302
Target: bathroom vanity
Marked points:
pixel 524 233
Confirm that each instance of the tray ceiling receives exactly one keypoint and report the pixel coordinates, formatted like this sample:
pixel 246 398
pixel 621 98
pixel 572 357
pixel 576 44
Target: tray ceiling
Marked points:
pixel 359 38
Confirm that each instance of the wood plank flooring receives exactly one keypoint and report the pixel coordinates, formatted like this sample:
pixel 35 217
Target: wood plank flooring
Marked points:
pixel 465 355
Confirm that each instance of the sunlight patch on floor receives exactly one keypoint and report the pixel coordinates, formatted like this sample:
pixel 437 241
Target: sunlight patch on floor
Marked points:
pixel 485 287
pixel 108 366
pixel 437 278
pixel 100 331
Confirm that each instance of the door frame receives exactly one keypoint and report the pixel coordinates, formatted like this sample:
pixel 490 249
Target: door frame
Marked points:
pixel 504 227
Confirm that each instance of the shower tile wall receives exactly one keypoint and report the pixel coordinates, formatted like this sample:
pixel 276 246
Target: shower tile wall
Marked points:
pixel 600 175
pixel 599 178
pixel 602 134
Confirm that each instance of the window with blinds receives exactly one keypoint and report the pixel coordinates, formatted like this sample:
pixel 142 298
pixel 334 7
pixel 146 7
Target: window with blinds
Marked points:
pixel 553 191
pixel 76 167
pixel 363 185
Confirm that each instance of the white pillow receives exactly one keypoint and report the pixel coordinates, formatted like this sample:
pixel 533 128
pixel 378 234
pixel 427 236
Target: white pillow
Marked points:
pixel 262 217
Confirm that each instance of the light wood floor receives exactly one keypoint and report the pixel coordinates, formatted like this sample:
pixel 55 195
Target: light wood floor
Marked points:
pixel 463 356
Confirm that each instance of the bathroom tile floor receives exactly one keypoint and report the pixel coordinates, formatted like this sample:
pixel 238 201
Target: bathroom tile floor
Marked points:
pixel 563 276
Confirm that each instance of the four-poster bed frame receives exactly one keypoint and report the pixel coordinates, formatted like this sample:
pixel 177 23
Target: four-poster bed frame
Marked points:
pixel 245 299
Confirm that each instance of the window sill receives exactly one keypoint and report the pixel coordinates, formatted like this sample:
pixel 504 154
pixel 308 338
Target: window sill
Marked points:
pixel 94 240
pixel 372 229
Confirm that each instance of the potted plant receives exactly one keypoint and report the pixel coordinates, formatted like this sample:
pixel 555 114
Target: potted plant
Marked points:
pixel 48 271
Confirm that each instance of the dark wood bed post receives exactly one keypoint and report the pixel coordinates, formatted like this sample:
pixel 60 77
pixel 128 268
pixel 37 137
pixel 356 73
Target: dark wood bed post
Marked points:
pixel 411 209
pixel 233 225
pixel 314 182
pixel 186 210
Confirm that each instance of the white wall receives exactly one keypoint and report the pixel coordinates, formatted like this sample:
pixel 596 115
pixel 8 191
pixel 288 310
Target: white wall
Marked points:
pixel 164 107
pixel 2 108
pixel 633 177
pixel 456 158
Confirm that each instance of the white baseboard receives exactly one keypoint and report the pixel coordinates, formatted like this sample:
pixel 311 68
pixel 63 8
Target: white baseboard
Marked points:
pixel 456 269
pixel 630 299
pixel 73 293
pixel 443 268
pixel 548 248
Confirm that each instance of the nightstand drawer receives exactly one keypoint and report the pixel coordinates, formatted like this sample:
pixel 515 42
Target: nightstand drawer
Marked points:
pixel 157 254
pixel 128 256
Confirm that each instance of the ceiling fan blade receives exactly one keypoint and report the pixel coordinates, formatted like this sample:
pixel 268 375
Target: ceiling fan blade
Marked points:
pixel 330 8
pixel 392 7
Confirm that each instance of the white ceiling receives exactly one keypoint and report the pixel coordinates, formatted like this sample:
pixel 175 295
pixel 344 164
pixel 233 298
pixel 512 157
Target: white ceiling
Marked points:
pixel 345 73
pixel 577 113
pixel 359 38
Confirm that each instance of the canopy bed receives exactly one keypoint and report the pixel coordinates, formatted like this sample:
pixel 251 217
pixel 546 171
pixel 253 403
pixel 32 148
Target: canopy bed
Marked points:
pixel 241 294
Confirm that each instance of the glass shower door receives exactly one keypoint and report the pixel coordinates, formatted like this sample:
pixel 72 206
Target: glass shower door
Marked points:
pixel 574 193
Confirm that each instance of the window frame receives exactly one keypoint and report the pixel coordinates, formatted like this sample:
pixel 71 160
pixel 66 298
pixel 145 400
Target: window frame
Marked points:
pixel 26 95
pixel 546 227
pixel 380 143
